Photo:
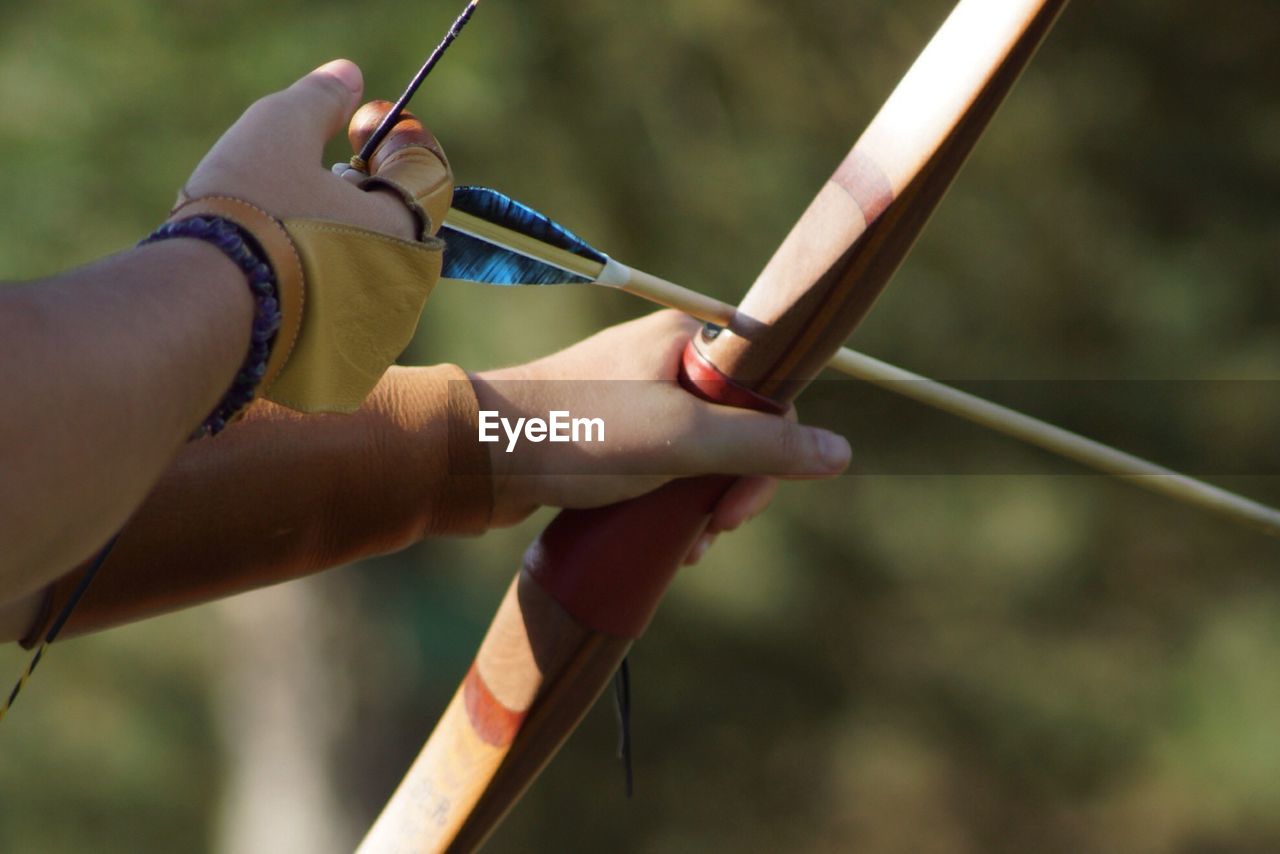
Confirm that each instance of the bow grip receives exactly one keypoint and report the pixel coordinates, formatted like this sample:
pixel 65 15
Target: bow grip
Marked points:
pixel 609 567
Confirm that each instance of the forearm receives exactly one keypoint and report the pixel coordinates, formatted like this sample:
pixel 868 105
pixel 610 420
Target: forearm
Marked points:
pixel 280 495
pixel 104 372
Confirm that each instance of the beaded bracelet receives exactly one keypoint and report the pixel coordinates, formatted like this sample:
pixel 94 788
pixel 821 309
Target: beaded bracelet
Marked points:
pixel 242 249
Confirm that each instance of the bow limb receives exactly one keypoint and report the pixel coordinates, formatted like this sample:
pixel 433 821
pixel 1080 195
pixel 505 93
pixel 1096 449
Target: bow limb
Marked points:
pixel 593 579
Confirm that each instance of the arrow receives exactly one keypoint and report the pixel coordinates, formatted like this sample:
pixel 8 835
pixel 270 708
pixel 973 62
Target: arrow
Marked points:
pixel 360 161
pixel 493 239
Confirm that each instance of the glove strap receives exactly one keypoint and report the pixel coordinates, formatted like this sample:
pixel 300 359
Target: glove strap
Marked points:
pixel 279 253
pixel 240 247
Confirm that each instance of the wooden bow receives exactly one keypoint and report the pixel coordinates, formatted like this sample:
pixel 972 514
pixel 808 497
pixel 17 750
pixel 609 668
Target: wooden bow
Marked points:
pixel 593 579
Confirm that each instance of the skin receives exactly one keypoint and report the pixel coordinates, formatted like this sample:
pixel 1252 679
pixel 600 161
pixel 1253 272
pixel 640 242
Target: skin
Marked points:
pixel 655 429
pixel 93 418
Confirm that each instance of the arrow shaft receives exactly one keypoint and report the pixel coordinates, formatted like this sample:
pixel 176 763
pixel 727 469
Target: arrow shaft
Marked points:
pixel 361 160
pixel 1017 425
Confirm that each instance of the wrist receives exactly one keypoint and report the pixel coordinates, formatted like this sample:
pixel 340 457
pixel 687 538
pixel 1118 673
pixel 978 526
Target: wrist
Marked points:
pixel 424 430
pixel 242 249
pixel 209 269
pixel 211 288
pixel 514 489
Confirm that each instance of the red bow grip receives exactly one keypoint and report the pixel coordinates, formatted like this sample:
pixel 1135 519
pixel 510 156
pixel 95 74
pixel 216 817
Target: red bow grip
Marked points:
pixel 609 567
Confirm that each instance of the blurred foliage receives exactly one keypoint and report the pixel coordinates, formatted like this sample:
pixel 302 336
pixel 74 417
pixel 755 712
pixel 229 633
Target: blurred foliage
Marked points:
pixel 885 663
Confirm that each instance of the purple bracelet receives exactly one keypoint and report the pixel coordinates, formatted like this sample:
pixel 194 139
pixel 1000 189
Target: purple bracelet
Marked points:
pixel 241 248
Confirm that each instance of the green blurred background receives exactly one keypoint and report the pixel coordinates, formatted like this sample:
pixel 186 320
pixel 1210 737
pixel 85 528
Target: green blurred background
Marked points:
pixel 889 663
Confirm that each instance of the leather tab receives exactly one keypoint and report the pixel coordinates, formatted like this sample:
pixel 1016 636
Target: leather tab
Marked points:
pixel 421 179
pixel 409 162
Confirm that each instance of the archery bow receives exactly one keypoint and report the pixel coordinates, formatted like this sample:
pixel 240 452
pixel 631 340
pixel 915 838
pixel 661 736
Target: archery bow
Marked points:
pixel 591 581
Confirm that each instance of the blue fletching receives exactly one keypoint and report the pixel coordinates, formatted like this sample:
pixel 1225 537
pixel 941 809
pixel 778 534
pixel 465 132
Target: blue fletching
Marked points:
pixel 500 209
pixel 471 259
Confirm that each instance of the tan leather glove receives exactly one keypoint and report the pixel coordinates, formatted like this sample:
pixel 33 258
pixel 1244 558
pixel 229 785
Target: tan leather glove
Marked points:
pixel 281 495
pixel 350 297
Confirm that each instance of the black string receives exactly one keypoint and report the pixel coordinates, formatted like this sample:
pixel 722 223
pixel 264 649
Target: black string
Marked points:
pixel 622 702
pixel 78 593
pixel 63 615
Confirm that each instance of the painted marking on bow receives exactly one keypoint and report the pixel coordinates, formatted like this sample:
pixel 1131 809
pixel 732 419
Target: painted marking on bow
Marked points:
pixel 865 182
pixel 492 721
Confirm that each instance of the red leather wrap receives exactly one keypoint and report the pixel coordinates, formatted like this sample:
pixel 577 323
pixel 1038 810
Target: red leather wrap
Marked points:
pixel 609 567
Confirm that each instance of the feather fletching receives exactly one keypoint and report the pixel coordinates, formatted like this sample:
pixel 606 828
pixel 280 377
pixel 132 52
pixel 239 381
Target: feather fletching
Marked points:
pixel 518 246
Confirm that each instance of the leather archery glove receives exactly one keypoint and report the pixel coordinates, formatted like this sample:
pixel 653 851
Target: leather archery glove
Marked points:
pixel 351 291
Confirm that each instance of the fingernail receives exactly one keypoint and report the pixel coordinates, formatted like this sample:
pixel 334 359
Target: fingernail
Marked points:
pixel 700 548
pixel 346 71
pixel 833 450
pixel 758 505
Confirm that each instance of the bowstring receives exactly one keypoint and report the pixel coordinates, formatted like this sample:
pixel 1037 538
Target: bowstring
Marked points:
pixel 55 627
pixel 622 705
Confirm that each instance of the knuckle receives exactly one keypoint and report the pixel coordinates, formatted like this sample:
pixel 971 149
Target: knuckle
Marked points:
pixel 680 322
pixel 329 87
pixel 793 444
pixel 666 320
pixel 685 441
pixel 263 107
pixel 689 422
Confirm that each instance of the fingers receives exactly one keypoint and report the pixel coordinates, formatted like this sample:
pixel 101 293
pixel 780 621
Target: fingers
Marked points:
pixel 269 156
pixel 324 99
pixel 674 329
pixel 670 324
pixel 409 163
pixel 647 348
pixel 700 548
pixel 737 441
pixel 408 131
pixel 304 116
pixel 746 499
pixel 660 338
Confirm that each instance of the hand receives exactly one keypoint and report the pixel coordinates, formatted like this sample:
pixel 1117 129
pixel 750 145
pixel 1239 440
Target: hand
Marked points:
pixel 272 157
pixel 349 296
pixel 655 430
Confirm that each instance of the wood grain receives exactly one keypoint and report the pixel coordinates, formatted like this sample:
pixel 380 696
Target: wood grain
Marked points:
pixel 538 671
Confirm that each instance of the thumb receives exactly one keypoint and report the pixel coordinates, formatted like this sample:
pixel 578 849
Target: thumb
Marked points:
pixel 738 441
pixel 301 118
pixel 320 104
